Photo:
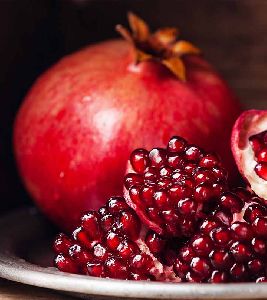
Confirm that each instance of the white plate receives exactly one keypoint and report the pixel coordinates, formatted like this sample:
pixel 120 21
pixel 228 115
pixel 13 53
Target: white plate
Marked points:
pixel 25 256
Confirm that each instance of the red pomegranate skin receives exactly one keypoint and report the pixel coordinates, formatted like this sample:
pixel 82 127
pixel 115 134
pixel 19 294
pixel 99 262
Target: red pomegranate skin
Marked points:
pixel 84 116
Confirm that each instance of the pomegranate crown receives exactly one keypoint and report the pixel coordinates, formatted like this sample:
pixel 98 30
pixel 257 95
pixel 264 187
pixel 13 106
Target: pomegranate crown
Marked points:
pixel 161 46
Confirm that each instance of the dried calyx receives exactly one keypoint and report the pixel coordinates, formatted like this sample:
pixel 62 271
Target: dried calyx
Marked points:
pixel 161 46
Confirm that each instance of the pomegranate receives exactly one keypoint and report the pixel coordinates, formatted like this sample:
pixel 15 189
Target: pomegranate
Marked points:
pixel 249 147
pixel 230 245
pixel 112 242
pixel 171 189
pixel 80 120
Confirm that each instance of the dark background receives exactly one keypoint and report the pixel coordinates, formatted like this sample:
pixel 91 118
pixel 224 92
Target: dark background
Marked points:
pixel 36 33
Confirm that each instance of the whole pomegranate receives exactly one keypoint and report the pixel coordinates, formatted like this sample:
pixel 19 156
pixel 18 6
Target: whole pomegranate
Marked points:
pixel 82 118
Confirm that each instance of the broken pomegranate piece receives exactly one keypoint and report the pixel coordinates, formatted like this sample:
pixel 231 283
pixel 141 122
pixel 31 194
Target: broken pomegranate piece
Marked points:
pixel 249 147
pixel 171 189
pixel 231 245
pixel 111 242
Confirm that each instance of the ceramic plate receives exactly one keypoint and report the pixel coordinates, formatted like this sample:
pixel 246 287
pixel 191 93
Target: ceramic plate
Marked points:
pixel 25 256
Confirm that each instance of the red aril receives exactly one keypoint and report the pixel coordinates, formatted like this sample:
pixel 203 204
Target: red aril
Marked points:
pixel 82 118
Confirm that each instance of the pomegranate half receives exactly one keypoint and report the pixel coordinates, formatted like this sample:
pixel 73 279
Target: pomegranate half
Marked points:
pixel 249 147
pixel 82 118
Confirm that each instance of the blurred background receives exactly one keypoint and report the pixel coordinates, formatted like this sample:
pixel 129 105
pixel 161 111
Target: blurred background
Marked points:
pixel 34 34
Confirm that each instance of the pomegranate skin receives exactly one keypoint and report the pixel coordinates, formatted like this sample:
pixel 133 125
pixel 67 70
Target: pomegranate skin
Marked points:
pixel 82 118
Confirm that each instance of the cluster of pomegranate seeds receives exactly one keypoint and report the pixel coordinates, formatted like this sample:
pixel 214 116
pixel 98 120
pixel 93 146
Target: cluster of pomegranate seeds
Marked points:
pixel 231 244
pixel 171 188
pixel 259 146
pixel 109 243
pixel 178 222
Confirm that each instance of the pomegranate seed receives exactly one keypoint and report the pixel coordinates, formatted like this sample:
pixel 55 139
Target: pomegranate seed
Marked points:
pixel 113 240
pixel 192 277
pixel 90 223
pixel 255 266
pixel 200 266
pixel 177 144
pixel 175 161
pixel 261 170
pixel 224 216
pixel 203 193
pixel 62 244
pixel 193 153
pixel 158 157
pixel 100 252
pixel 221 235
pixel 116 204
pixel 130 224
pixel 259 246
pixel 256 143
pixel 106 221
pixel 77 253
pixel 254 211
pixel 190 168
pixel 231 202
pixel 155 243
pixel 208 225
pixel 220 173
pixel 147 193
pixel 204 176
pixel 187 254
pixel 218 277
pixel 132 179
pixel 241 252
pixel 81 236
pixel 161 199
pixel 181 268
pixel 115 267
pixel 178 192
pixel 165 172
pixel 242 231
pixel 262 155
pixel 95 269
pixel 139 160
pixel 260 226
pixel 221 259
pixel 238 272
pixel 66 264
pixel 202 245
pixel 209 161
pixel 164 183
pixel 187 206
pixel 126 249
